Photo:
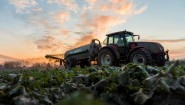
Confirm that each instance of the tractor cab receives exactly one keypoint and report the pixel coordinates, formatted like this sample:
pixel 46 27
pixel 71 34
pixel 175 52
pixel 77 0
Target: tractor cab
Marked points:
pixel 120 42
pixel 119 39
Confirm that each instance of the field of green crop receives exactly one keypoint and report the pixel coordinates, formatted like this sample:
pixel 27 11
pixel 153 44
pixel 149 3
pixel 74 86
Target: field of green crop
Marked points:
pixel 130 85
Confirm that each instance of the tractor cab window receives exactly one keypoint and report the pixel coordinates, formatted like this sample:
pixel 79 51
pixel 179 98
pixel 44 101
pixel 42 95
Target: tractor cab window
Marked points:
pixel 119 40
pixel 111 40
pixel 105 42
pixel 129 38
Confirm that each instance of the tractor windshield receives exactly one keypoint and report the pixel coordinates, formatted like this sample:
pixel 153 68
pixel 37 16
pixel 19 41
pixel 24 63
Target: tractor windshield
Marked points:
pixel 105 42
pixel 129 38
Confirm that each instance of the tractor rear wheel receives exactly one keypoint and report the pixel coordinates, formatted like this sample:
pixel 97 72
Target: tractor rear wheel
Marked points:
pixel 70 63
pixel 141 56
pixel 107 57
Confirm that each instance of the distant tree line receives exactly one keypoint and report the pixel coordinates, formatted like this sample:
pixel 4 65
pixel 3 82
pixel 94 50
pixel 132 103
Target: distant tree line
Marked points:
pixel 18 65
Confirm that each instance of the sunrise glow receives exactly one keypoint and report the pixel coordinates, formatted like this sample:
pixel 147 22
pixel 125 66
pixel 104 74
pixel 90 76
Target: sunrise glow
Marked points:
pixel 33 28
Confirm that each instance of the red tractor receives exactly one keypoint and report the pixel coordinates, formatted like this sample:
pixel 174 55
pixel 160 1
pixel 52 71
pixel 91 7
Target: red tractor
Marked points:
pixel 119 48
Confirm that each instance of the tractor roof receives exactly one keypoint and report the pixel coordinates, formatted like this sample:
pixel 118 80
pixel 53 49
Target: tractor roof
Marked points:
pixel 124 32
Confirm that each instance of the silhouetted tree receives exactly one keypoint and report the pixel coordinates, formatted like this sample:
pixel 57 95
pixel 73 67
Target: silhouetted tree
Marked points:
pixel 10 65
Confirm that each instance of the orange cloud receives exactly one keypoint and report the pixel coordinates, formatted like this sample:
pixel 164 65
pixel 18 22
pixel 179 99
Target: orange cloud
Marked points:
pixel 62 17
pixel 51 44
pixel 64 32
pixel 104 22
pixel 122 7
pixel 101 24
pixel 97 26
pixel 91 2
pixel 98 23
pixel 117 1
pixel 94 19
pixel 83 40
pixel 45 43
pixel 126 9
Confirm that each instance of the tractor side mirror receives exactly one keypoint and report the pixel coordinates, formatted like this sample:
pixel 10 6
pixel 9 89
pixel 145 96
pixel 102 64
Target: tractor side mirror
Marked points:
pixel 138 36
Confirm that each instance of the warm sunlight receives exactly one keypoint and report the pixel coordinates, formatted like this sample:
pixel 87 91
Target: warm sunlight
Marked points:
pixel 92 52
pixel 31 28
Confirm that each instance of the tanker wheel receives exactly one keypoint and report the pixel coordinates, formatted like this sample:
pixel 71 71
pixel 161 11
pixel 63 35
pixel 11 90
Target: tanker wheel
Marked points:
pixel 141 56
pixel 107 57
pixel 84 63
pixel 70 63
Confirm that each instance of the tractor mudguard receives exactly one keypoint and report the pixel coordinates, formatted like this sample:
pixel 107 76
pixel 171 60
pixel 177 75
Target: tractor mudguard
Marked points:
pixel 112 48
pixel 153 47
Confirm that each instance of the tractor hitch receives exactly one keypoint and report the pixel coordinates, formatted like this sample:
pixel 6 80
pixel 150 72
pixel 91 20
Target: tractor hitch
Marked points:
pixel 57 59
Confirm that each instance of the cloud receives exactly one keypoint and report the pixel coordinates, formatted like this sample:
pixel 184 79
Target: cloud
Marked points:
pixel 93 23
pixel 49 43
pixel 45 43
pixel 73 25
pixel 96 27
pixel 27 6
pixel 69 4
pixel 105 21
pixel 141 10
pixel 65 32
pixel 102 23
pixel 21 5
pixel 100 16
pixel 124 8
pixel 62 17
pixel 84 40
pixel 117 1
pixel 37 9
pixel 91 2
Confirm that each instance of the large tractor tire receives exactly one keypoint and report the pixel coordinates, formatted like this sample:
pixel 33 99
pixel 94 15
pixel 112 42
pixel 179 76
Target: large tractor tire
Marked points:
pixel 141 56
pixel 107 57
pixel 70 63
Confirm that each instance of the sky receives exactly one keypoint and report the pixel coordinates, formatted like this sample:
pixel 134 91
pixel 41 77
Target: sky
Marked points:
pixel 33 28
